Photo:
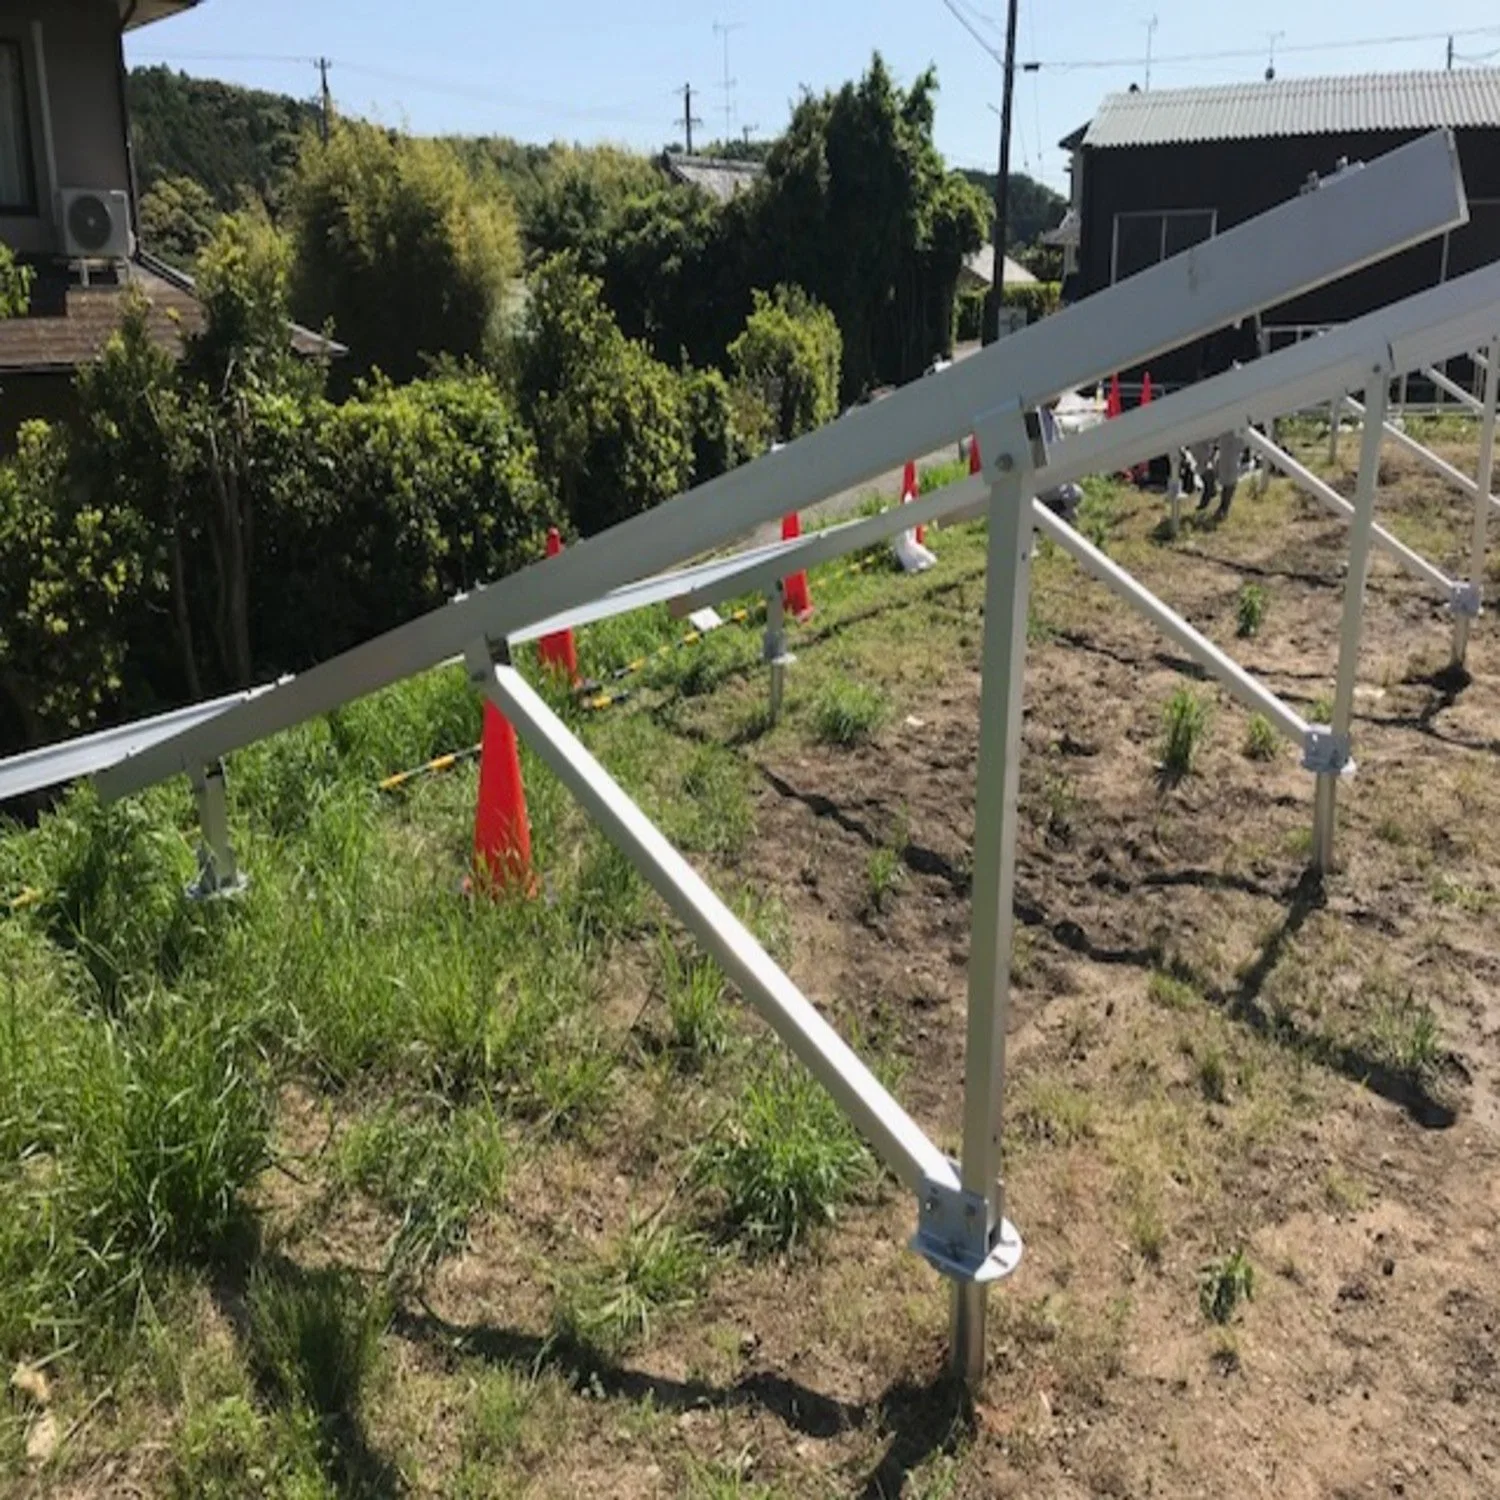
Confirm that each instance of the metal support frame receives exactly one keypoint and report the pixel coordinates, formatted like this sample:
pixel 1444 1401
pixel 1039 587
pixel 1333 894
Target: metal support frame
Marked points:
pixel 1337 760
pixel 1463 618
pixel 218 873
pixel 1413 562
pixel 1006 602
pixel 1438 464
pixel 773 647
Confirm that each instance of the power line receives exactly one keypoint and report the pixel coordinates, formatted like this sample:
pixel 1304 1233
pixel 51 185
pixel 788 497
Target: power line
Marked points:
pixel 1231 53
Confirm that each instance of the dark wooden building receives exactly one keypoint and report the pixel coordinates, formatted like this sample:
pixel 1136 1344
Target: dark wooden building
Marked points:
pixel 1156 172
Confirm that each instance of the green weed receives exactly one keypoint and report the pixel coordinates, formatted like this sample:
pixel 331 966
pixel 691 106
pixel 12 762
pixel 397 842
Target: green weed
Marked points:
pixel 654 1268
pixel 885 870
pixel 1403 1033
pixel 1185 723
pixel 433 1171
pixel 848 713
pixel 1213 1074
pixel 1261 740
pixel 694 989
pixel 1050 1110
pixel 1170 991
pixel 1249 610
pixel 228 1450
pixel 788 1160
pixel 314 1338
pixel 1223 1284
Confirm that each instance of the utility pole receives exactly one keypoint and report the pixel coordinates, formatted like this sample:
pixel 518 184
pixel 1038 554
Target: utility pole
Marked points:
pixel 326 118
pixel 1450 54
pixel 991 329
pixel 689 119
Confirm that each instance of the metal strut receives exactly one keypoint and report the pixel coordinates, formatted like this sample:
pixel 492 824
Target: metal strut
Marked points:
pixel 218 873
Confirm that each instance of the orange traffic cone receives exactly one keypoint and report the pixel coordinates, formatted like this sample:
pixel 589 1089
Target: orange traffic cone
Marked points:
pixel 794 592
pixel 910 489
pixel 975 462
pixel 557 651
pixel 502 830
pixel 1113 408
pixel 1141 472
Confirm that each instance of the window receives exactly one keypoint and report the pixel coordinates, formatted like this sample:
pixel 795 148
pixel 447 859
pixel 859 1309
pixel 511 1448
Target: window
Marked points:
pixel 1143 239
pixel 17 183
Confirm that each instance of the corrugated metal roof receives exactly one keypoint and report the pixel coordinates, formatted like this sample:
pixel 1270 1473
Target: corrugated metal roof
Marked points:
pixel 1467 97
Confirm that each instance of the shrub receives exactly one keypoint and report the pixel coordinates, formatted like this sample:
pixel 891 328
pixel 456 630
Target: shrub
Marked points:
pixel 1038 299
pixel 789 357
pixel 1185 722
pixel 789 1160
pixel 724 429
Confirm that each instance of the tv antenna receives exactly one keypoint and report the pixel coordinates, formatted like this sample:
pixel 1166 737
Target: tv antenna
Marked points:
pixel 1274 37
pixel 1151 26
pixel 723 29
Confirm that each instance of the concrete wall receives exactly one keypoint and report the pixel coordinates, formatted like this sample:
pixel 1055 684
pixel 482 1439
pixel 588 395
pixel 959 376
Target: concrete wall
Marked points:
pixel 71 58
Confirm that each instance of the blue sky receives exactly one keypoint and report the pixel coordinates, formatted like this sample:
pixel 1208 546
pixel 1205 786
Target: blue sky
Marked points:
pixel 605 70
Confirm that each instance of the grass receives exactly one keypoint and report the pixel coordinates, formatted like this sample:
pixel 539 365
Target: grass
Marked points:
pixel 787 1161
pixel 1185 721
pixel 434 1170
pixel 693 987
pixel 653 1269
pixel 847 713
pixel 885 872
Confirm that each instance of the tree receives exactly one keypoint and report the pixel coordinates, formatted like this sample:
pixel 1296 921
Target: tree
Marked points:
pixel 857 207
pixel 1031 209
pixel 15 284
pixel 399 248
pixel 610 420
pixel 789 357
pixel 178 217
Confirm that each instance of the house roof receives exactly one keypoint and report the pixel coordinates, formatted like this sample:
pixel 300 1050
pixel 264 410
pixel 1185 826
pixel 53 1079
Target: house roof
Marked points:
pixel 1068 232
pixel 721 177
pixel 135 13
pixel 981 266
pixel 1466 97
pixel 69 324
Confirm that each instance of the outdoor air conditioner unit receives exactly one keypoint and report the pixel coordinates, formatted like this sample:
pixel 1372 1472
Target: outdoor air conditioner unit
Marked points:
pixel 96 224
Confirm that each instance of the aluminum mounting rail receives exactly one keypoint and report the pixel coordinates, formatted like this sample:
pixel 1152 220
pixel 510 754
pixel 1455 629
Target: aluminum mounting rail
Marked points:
pixel 1349 221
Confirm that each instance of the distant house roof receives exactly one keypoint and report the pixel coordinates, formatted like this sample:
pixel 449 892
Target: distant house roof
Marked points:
pixel 1068 232
pixel 979 268
pixel 135 13
pixel 1467 97
pixel 69 324
pixel 721 177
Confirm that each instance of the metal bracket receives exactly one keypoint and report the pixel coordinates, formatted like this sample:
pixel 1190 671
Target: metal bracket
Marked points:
pixel 218 875
pixel 952 1236
pixel 1325 753
pixel 1467 602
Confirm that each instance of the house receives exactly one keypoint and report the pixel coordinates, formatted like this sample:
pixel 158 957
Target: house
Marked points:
pixel 67 199
pixel 977 274
pixel 1155 172
pixel 721 177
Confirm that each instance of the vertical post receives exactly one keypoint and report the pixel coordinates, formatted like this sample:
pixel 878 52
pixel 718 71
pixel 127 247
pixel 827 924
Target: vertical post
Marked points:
pixel 1336 760
pixel 218 873
pixel 773 648
pixel 1466 607
pixel 1007 450
pixel 1335 413
pixel 1174 498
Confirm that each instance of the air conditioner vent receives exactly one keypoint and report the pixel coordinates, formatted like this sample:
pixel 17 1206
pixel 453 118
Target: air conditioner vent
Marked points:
pixel 96 224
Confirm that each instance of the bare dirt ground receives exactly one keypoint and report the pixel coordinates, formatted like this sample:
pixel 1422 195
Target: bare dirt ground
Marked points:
pixel 1211 1055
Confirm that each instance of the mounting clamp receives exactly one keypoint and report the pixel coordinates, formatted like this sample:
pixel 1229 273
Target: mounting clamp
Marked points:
pixel 954 1239
pixel 1467 602
pixel 1325 753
